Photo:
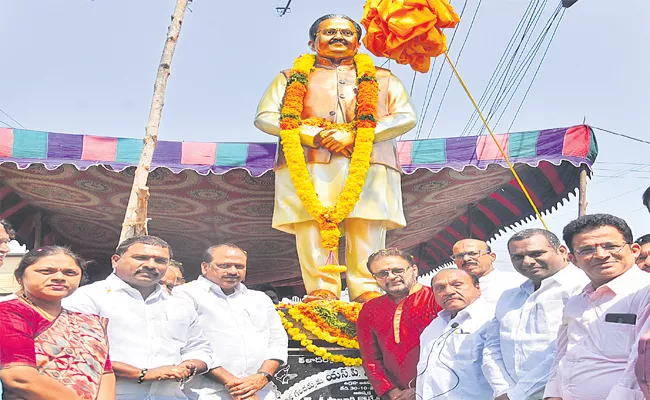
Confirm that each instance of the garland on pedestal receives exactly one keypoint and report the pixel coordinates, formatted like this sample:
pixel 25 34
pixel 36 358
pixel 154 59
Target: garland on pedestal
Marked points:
pixel 321 318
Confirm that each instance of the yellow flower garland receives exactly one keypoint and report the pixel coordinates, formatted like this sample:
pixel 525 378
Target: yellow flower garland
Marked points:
pixel 301 337
pixel 364 124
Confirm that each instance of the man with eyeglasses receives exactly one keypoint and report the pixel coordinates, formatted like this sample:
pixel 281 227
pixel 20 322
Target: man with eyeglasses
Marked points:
pixel 476 256
pixel 596 342
pixel 389 327
pixel 643 261
pixel 331 98
pixel 242 326
pixel 520 344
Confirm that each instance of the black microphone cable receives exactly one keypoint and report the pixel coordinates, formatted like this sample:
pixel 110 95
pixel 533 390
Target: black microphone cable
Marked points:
pixel 454 328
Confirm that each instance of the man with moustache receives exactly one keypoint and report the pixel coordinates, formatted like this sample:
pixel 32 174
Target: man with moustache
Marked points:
pixel 242 325
pixel 452 345
pixel 520 344
pixel 643 261
pixel 155 339
pixel 389 327
pixel 596 343
pixel 332 96
pixel 475 256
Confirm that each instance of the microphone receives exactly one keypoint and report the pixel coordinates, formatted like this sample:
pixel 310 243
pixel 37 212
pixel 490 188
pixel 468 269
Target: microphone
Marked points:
pixel 446 334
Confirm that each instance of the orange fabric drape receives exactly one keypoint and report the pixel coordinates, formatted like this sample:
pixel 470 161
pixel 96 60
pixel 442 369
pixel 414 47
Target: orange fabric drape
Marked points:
pixel 408 31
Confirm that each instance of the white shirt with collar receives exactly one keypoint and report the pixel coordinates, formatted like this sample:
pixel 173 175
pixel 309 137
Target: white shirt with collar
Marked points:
pixel 145 333
pixel 455 344
pixel 520 345
pixel 496 282
pixel 244 330
pixel 595 358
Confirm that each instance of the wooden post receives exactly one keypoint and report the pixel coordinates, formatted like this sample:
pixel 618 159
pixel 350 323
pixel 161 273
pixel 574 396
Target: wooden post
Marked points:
pixel 135 219
pixel 582 192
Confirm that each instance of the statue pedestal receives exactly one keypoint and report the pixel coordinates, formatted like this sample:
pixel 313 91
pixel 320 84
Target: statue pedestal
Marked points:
pixel 309 377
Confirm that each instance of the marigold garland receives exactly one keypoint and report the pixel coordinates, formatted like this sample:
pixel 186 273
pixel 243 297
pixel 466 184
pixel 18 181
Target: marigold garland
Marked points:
pixel 304 312
pixel 364 125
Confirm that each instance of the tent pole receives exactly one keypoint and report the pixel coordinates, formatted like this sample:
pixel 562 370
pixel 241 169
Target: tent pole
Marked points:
pixel 135 218
pixel 582 192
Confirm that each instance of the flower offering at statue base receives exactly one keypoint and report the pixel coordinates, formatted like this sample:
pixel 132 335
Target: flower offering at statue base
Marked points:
pixel 331 321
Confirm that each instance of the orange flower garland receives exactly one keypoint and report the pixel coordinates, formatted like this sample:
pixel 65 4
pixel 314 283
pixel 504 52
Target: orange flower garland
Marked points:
pixel 314 328
pixel 364 124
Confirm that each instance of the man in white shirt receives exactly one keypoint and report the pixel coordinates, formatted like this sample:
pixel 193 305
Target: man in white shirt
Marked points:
pixel 156 343
pixel 242 325
pixel 601 326
pixel 451 346
pixel 520 345
pixel 475 256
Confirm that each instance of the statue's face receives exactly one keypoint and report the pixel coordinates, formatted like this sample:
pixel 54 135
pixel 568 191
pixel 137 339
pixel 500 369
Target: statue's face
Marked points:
pixel 336 38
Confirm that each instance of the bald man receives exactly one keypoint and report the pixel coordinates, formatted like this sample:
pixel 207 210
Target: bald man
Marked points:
pixel 476 257
pixel 451 347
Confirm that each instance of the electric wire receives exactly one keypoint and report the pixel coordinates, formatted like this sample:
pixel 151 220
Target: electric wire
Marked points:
pixel 451 75
pixel 497 73
pixel 11 118
pixel 535 74
pixel 621 135
pixel 522 71
pixel 427 102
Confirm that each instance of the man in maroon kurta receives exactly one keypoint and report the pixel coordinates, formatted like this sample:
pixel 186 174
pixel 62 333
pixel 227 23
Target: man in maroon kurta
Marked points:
pixel 389 326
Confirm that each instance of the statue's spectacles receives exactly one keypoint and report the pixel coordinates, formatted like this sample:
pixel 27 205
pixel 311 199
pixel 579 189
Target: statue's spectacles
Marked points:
pixel 348 33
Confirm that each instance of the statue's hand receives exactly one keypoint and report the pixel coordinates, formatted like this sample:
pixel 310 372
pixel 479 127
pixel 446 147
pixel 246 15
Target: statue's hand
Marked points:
pixel 337 141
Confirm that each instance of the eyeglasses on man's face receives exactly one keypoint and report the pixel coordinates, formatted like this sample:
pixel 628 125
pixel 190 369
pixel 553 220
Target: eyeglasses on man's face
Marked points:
pixel 395 271
pixel 470 254
pixel 348 33
pixel 611 248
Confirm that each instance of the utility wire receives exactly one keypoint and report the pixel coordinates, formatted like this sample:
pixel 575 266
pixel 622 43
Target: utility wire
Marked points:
pixel 2 122
pixel 425 106
pixel 530 17
pixel 11 118
pixel 451 75
pixel 536 71
pixel 521 70
pixel 502 59
pixel 620 134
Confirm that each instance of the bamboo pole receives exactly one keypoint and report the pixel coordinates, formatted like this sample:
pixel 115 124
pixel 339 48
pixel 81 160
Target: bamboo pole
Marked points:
pixel 582 192
pixel 135 218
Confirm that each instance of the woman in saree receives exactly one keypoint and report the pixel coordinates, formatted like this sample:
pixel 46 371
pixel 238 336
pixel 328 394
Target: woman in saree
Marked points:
pixel 47 352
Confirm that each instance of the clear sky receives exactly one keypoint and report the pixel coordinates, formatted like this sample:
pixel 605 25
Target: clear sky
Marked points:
pixel 88 67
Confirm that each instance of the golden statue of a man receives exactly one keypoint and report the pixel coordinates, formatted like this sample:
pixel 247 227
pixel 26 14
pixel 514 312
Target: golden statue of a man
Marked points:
pixel 332 95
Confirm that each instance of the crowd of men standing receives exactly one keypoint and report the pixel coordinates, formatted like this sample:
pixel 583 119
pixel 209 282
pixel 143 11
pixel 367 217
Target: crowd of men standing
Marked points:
pixel 573 322
pixel 574 325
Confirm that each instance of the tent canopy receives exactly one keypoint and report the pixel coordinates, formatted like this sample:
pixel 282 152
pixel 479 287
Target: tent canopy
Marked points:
pixel 76 188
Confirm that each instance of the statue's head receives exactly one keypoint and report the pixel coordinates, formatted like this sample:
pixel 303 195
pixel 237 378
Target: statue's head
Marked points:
pixel 335 36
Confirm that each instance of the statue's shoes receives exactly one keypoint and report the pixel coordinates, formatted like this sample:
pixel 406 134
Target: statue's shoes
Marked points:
pixel 367 296
pixel 320 294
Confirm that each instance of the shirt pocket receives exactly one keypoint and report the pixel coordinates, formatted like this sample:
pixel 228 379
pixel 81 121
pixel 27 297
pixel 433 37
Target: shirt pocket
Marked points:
pixel 464 347
pixel 548 316
pixel 259 319
pixel 175 326
pixel 617 339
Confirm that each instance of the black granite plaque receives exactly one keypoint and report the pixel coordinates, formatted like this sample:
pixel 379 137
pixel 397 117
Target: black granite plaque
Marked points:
pixel 309 377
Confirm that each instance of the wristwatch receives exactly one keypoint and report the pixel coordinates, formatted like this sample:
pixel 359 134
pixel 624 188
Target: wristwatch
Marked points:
pixel 266 375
